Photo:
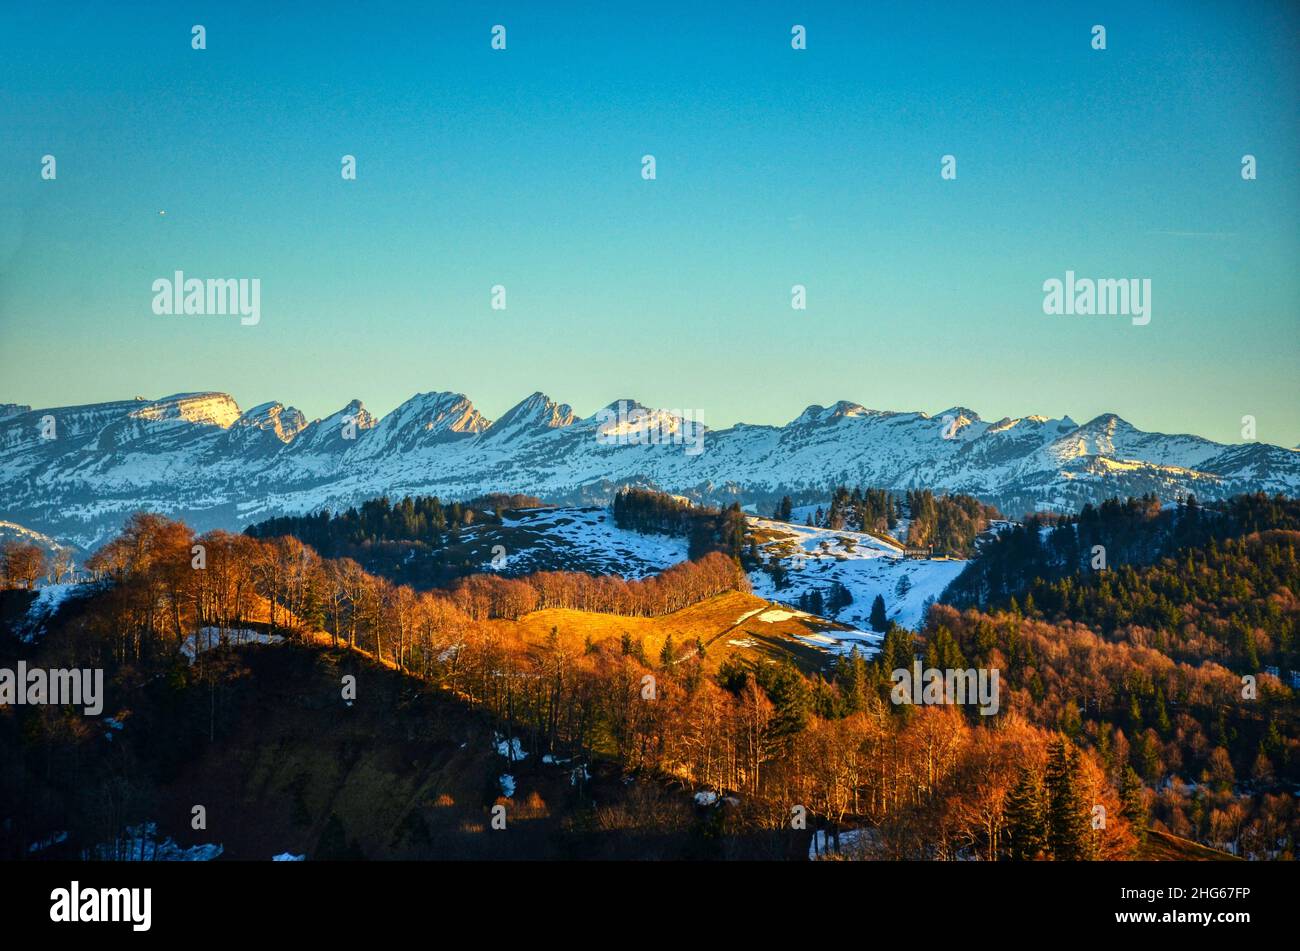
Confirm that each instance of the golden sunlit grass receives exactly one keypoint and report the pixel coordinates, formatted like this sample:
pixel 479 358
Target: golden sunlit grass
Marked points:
pixel 727 624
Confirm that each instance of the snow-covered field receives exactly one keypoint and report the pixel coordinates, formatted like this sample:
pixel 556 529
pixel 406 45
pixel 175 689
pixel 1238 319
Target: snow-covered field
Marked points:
pixel 210 637
pixel 586 539
pixel 48 599
pixel 829 641
pixel 580 539
pixel 865 565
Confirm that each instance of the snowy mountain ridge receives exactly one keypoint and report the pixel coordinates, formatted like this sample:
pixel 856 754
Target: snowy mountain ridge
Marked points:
pixel 75 472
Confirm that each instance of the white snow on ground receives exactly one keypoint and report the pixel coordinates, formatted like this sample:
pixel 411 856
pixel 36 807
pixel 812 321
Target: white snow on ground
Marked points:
pixel 865 565
pixel 853 844
pixel 575 772
pixel 817 640
pixel 773 616
pixel 865 643
pixel 801 513
pixel 189 455
pixel 507 785
pixel 288 857
pixel 706 798
pixel 511 749
pixel 141 844
pixel 210 637
pixel 585 539
pixel 48 599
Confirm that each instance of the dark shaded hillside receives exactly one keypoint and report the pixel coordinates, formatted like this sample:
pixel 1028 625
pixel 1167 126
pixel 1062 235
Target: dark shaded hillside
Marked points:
pixel 405 772
pixel 1132 532
pixel 416 540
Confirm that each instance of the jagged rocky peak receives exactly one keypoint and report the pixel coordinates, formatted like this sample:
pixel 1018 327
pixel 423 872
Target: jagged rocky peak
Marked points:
pixel 355 411
pixel 439 412
pixel 213 409
pixel 335 433
pixel 1006 423
pixel 960 413
pixel 1095 437
pixel 1034 424
pixel 426 419
pixel 819 415
pixel 538 411
pixel 618 412
pixel 628 415
pixel 1106 422
pixel 354 414
pixel 284 422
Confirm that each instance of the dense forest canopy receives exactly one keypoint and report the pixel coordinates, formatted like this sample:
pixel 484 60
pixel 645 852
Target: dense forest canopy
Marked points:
pixel 1200 583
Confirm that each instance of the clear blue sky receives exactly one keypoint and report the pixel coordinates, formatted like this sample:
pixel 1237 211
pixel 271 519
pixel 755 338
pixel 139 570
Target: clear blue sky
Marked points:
pixel 775 167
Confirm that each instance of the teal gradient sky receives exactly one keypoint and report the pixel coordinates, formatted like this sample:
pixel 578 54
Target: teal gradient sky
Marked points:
pixel 775 167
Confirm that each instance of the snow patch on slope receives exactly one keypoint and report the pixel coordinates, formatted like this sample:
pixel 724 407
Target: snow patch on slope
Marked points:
pixel 864 564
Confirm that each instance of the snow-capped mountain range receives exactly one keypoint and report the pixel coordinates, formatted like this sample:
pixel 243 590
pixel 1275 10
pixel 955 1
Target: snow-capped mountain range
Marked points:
pixel 75 472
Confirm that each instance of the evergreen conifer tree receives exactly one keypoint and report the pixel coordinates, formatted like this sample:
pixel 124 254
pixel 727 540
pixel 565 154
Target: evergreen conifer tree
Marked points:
pixel 1026 835
pixel 879 622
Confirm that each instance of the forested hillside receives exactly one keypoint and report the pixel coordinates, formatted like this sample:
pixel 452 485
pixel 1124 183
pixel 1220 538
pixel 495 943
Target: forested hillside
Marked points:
pixel 1208 759
pixel 708 529
pixel 419 539
pixel 944 524
pixel 1086 717
pixel 1133 532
